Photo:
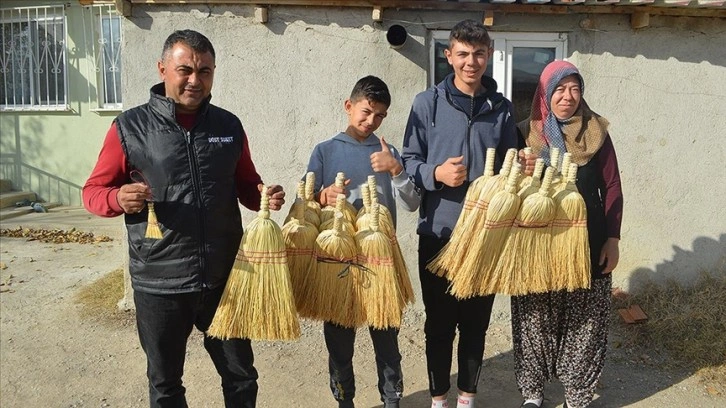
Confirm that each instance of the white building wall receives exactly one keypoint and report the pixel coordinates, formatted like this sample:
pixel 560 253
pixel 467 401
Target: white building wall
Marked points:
pixel 662 88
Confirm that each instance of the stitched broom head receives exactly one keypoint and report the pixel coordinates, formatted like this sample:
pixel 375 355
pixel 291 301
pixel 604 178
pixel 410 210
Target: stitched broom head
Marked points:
pixel 476 274
pixel 570 259
pixel 448 261
pixel 309 215
pixel 257 302
pixel 335 298
pixel 384 214
pixel 381 296
pixel 525 257
pixel 475 187
pixel 299 238
pixel 345 222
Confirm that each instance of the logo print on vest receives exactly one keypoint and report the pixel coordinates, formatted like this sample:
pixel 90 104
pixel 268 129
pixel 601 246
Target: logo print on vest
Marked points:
pixel 228 139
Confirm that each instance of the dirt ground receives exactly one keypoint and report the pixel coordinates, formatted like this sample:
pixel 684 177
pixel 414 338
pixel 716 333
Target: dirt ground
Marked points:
pixel 52 356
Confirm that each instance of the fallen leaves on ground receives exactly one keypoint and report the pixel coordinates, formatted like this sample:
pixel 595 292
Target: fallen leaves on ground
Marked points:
pixel 54 236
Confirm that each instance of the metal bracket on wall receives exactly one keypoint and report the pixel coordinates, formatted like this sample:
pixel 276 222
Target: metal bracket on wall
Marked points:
pixel 639 19
pixel 123 7
pixel 261 14
pixel 377 15
pixel 488 19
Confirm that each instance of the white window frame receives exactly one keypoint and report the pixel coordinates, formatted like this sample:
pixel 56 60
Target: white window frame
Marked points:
pixel 103 55
pixel 503 44
pixel 36 15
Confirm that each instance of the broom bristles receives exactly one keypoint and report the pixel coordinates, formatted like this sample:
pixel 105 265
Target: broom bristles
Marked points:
pixel 300 238
pixel 381 297
pixel 571 263
pixel 478 265
pixel 257 302
pixel 153 229
pixel 523 265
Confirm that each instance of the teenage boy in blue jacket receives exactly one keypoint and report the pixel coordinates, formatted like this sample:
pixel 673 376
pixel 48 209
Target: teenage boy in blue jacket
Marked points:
pixel 448 131
pixel 358 152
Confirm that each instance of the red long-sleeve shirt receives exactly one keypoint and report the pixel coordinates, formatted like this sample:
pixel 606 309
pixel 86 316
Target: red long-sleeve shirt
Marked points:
pixel 111 172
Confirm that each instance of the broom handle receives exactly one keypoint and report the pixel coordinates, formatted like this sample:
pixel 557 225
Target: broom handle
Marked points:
pixel 489 163
pixel 264 204
pixel 555 158
pixel 340 180
pixel 374 217
pixel 511 186
pixel 309 185
pixel 372 186
pixel 566 164
pixel 366 192
pixel 545 188
pixel 340 202
pixel 301 189
pixel 572 173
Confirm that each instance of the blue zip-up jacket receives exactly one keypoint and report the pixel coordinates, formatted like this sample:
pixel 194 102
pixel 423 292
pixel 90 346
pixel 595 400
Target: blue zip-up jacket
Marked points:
pixel 439 128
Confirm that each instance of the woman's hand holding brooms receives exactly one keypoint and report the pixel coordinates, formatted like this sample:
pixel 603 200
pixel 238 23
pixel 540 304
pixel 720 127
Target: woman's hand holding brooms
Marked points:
pixel 276 194
pixel 132 197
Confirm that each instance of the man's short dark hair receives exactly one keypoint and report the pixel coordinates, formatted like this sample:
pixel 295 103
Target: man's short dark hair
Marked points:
pixel 470 32
pixel 373 89
pixel 195 40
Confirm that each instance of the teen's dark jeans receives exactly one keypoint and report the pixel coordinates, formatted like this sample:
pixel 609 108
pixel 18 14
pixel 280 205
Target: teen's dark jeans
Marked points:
pixel 164 323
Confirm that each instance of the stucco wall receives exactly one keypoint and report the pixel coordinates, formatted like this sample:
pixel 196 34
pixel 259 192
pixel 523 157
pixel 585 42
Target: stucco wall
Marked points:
pixel 661 87
pixel 52 153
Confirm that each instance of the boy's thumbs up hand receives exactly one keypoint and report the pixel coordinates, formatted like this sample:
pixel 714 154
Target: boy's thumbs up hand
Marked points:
pixel 452 172
pixel 384 161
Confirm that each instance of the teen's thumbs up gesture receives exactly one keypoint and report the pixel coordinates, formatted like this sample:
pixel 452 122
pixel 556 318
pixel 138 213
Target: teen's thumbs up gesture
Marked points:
pixel 384 161
pixel 452 172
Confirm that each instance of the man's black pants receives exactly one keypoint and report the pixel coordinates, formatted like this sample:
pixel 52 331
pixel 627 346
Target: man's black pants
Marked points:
pixel 444 313
pixel 164 323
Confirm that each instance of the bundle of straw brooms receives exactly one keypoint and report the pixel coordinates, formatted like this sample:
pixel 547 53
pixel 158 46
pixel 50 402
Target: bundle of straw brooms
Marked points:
pixel 257 302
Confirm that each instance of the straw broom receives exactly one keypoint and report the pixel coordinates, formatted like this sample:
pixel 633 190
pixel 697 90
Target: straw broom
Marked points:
pixel 153 230
pixel 449 259
pixel 475 276
pixel 346 224
pixel 523 265
pixel 570 257
pixel 300 238
pixel 406 294
pixel 381 296
pixel 335 297
pixel 560 181
pixel 327 212
pixel 309 215
pixel 257 302
pixel 439 264
pixel 525 180
pixel 312 206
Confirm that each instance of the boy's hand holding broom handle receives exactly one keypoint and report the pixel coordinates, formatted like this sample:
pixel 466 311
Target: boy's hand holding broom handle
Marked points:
pixel 329 195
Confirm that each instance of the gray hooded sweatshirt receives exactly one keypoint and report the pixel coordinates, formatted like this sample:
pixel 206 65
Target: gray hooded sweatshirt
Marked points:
pixel 439 127
pixel 344 153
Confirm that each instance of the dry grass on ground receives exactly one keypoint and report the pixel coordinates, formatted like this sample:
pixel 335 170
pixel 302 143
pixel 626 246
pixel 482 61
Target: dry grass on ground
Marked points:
pixel 99 299
pixel 688 323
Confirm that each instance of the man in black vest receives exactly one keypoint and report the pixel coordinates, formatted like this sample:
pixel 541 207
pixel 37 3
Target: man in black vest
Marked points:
pixel 192 160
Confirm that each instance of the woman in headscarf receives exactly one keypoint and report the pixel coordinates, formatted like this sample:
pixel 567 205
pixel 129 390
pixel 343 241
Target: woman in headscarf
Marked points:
pixel 561 334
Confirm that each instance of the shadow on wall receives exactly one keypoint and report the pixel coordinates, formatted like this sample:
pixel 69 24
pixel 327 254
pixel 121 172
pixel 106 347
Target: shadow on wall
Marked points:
pixel 708 255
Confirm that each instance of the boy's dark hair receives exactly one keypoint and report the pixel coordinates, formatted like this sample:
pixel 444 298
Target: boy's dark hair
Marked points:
pixel 197 41
pixel 470 32
pixel 373 89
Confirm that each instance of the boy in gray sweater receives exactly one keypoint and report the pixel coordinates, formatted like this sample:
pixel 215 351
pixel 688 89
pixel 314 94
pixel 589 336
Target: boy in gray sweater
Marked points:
pixel 358 152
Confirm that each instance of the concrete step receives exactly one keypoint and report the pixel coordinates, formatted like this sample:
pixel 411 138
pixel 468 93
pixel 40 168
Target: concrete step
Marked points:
pixel 6 186
pixel 9 199
pixel 12 212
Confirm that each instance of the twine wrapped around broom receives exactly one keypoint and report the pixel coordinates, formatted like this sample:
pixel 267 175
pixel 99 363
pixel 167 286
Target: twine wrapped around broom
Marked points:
pixel 327 212
pixel 381 297
pixel 449 259
pixel 308 214
pixel 570 257
pixel 300 238
pixel 475 275
pixel 523 265
pixel 336 297
pixel 346 224
pixel 257 302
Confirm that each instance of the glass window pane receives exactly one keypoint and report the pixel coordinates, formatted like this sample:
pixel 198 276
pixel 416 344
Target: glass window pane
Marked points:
pixel 527 65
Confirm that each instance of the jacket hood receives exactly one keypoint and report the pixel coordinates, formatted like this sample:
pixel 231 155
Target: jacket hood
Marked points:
pixel 371 140
pixel 489 84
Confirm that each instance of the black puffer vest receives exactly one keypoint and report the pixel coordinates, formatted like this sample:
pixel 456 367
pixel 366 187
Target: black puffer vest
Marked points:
pixel 191 175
